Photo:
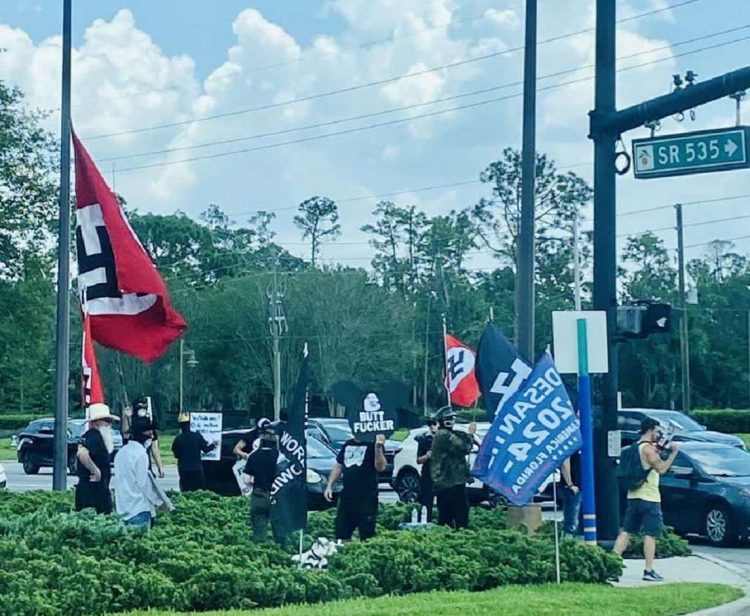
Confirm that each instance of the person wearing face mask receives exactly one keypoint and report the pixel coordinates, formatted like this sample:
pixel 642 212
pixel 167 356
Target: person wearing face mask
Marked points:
pixel 141 409
pixel 136 499
pixel 97 444
pixel 450 470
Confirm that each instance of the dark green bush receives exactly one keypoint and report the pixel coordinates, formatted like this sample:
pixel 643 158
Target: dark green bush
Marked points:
pixel 200 557
pixel 667 546
pixel 15 422
pixel 729 420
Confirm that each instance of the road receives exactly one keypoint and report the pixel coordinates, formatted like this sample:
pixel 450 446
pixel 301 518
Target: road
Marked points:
pixel 736 556
pixel 18 481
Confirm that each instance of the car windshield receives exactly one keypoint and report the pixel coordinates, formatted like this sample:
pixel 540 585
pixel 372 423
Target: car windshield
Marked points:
pixel 76 428
pixel 316 449
pixel 677 421
pixel 338 432
pixel 723 461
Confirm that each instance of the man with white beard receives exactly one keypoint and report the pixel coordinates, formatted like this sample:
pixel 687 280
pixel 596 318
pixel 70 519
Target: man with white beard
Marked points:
pixel 94 452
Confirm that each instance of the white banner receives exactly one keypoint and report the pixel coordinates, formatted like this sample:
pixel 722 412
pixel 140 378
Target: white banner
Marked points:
pixel 209 425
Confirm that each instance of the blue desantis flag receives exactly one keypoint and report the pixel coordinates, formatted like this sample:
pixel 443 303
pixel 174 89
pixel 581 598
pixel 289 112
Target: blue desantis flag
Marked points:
pixel 500 370
pixel 531 438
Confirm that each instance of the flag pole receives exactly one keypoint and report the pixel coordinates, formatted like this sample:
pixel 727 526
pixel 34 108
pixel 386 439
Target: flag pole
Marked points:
pixel 60 466
pixel 557 532
pixel 446 381
pixel 304 444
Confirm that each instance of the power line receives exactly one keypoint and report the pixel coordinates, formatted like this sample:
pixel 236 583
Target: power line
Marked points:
pixel 413 118
pixel 374 114
pixel 373 83
pixel 691 224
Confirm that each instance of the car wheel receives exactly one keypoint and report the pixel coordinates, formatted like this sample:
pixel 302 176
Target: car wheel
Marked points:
pixel 407 487
pixel 718 525
pixel 29 467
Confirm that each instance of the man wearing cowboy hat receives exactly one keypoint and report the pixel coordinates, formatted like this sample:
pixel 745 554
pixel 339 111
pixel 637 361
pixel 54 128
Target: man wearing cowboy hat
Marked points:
pixel 187 448
pixel 94 452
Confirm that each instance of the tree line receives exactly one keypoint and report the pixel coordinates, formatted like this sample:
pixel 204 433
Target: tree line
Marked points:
pixel 365 324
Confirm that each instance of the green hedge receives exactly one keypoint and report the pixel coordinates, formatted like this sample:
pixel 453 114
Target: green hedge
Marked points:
pixel 729 420
pixel 15 422
pixel 201 557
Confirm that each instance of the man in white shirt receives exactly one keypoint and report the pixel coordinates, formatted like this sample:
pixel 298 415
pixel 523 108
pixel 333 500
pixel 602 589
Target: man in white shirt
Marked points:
pixel 136 498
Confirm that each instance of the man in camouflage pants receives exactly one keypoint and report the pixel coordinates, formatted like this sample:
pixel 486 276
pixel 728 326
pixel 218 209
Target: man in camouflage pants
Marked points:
pixel 450 469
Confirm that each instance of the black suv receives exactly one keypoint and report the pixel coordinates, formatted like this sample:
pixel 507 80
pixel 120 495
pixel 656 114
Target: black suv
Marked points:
pixel 36 444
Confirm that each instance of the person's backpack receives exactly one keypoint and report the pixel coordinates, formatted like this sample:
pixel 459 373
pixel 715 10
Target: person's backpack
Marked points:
pixel 630 471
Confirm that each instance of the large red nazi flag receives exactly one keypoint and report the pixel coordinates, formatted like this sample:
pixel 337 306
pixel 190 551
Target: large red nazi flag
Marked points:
pixel 125 297
pixel 91 383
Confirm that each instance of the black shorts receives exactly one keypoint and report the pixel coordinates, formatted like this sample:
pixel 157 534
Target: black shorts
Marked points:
pixel 643 516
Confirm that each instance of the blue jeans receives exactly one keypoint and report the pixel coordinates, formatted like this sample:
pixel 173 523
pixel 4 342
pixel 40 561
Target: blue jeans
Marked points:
pixel 140 520
pixel 571 509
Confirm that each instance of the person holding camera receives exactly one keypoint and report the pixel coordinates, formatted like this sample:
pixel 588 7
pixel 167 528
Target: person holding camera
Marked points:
pixel 643 512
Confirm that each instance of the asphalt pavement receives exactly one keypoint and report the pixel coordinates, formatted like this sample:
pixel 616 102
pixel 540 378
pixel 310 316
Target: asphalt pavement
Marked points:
pixel 18 481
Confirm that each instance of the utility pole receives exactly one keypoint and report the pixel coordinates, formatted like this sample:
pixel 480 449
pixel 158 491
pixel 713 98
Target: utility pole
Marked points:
pixel 606 126
pixel 576 264
pixel 278 326
pixel 60 462
pixel 684 339
pixel 525 255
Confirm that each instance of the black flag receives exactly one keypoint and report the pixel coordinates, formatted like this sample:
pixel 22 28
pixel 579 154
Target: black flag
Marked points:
pixel 500 369
pixel 289 490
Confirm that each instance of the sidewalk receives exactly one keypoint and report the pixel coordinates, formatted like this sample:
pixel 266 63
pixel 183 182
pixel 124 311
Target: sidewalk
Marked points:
pixel 694 569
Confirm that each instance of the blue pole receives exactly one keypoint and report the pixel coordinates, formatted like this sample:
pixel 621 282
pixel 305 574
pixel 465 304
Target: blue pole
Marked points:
pixel 587 433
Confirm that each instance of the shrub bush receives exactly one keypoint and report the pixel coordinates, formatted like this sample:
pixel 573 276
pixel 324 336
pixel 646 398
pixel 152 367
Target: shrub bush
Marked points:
pixel 729 420
pixel 15 422
pixel 201 556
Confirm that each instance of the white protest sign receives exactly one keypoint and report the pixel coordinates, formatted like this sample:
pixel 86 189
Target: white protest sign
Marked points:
pixel 565 337
pixel 209 425
pixel 238 469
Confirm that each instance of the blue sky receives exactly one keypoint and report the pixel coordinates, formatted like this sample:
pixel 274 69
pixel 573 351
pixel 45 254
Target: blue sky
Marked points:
pixel 141 63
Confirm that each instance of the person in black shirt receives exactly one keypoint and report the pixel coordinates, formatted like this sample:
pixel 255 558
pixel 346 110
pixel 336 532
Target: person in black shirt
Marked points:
pixel 571 493
pixel 424 454
pixel 360 464
pixel 261 467
pixel 187 448
pixel 93 470
pixel 244 446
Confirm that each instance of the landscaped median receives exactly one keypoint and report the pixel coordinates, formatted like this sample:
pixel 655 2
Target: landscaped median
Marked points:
pixel 201 557
pixel 547 600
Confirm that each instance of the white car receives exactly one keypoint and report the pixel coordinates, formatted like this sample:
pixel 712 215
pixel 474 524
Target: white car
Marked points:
pixel 406 471
pixel 3 478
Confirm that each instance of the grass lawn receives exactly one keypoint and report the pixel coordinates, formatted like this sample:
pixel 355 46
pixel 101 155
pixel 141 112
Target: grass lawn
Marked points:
pixel 165 447
pixel 7 451
pixel 566 600
pixel 746 438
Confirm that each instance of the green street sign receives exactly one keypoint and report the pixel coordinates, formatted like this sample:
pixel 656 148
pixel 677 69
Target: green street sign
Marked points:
pixel 698 152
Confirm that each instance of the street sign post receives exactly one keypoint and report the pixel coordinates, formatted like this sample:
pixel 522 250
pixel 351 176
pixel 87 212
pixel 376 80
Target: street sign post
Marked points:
pixel 705 151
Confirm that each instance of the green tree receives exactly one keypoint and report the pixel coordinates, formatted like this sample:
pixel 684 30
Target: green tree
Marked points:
pixel 318 220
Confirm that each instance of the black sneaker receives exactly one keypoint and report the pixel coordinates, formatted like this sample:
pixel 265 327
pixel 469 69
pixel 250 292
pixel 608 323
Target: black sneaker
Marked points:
pixel 652 576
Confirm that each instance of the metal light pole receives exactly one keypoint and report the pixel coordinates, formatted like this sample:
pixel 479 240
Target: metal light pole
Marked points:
pixel 60 466
pixel 192 362
pixel 684 340
pixel 607 124
pixel 525 256
pixel 576 264
pixel 605 266
pixel 278 326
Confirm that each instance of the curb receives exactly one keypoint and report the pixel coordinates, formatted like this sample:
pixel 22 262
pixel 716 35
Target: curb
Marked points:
pixel 740 607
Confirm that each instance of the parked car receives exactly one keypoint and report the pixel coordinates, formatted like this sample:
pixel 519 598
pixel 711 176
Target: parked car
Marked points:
pixel 3 478
pixel 707 492
pixel 335 431
pixel 684 427
pixel 35 449
pixel 406 471
pixel 220 477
